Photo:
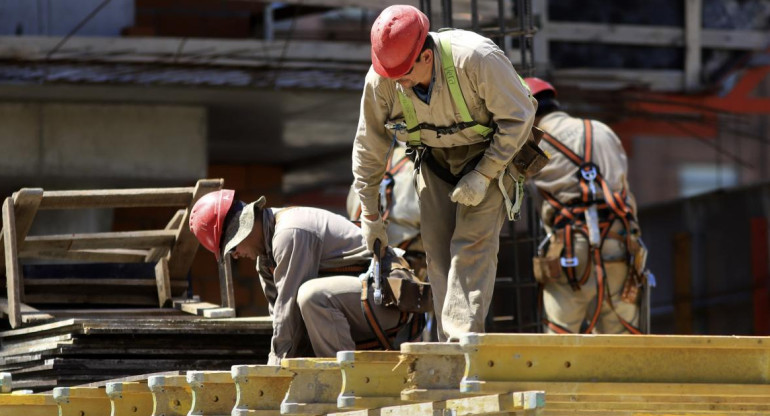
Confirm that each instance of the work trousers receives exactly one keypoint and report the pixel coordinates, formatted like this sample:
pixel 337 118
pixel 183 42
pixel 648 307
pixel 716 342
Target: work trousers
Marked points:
pixel 461 245
pixel 570 308
pixel 331 310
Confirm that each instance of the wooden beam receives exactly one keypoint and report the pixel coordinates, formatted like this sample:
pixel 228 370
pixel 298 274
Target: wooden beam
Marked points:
pixel 181 256
pixel 110 240
pixel 163 282
pixel 26 202
pixel 13 278
pixel 176 221
pixel 91 256
pixel 117 198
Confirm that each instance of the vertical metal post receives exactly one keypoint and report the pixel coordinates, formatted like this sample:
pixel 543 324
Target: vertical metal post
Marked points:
pixel 447 9
pixel 268 22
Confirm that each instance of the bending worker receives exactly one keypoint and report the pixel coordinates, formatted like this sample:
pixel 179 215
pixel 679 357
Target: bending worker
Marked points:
pixel 292 247
pixel 593 267
pixel 457 101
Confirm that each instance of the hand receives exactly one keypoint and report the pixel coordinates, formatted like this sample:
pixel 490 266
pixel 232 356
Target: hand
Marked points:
pixel 373 230
pixel 471 189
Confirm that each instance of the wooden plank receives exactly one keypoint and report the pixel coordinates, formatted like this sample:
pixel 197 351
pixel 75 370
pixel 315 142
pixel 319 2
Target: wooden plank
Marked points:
pixel 117 198
pixel 163 282
pixel 114 299
pixel 108 240
pixel 205 309
pixel 157 253
pixel 26 311
pixel 226 289
pixel 181 256
pixel 90 256
pixel 90 282
pixel 13 278
pixel 26 202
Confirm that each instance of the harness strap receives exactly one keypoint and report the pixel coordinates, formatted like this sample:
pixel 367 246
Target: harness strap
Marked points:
pixel 450 73
pixel 413 126
pixel 371 319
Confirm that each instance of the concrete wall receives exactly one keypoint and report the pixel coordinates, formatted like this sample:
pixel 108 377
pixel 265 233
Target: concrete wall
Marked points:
pixel 59 17
pixel 102 142
pixel 89 146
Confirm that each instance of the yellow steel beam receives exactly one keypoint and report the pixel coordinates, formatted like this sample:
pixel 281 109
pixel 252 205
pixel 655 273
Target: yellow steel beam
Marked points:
pixel 28 405
pixel 260 389
pixel 171 395
pixel 82 401
pixel 518 403
pixel 129 399
pixel 314 389
pixel 434 370
pixel 213 393
pixel 371 379
pixel 495 361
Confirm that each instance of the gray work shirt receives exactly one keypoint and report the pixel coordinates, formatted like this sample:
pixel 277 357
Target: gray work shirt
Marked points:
pixel 299 243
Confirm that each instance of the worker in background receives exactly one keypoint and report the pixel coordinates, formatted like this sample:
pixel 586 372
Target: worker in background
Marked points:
pixel 591 264
pixel 293 248
pixel 456 100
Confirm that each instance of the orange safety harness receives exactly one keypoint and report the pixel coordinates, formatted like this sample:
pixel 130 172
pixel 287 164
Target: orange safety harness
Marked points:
pixel 605 206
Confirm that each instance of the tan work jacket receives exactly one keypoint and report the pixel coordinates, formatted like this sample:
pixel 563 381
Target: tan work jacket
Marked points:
pixel 493 93
pixel 559 176
pixel 303 241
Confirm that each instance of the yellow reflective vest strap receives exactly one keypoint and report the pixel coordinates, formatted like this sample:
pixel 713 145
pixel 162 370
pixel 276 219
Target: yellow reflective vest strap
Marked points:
pixel 410 115
pixel 447 63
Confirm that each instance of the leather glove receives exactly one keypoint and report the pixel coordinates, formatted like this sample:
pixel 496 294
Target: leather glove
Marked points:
pixel 373 230
pixel 471 189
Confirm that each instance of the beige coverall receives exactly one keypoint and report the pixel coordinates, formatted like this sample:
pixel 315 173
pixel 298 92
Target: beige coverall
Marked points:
pixel 326 311
pixel 461 242
pixel 564 306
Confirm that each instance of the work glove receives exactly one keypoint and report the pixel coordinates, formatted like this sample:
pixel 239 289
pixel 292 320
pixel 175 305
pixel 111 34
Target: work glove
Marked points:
pixel 373 230
pixel 471 189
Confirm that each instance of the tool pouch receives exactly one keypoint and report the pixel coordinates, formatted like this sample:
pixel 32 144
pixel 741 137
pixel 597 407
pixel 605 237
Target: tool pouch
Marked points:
pixel 547 267
pixel 636 276
pixel 531 158
pixel 405 290
pixel 638 252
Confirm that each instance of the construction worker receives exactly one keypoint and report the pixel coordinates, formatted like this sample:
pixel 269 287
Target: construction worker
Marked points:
pixel 593 266
pixel 293 247
pixel 456 100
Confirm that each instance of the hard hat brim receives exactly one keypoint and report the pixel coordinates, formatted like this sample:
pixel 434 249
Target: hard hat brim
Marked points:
pixel 241 227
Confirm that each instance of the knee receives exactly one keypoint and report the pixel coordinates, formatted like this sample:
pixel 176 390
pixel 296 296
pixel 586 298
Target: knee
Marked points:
pixel 311 296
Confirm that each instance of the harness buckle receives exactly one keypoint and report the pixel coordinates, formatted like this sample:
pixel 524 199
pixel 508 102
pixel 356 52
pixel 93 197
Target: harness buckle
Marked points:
pixel 568 261
pixel 588 172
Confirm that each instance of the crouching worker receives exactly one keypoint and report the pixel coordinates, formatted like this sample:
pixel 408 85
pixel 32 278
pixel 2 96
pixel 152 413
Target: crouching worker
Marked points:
pixel 309 263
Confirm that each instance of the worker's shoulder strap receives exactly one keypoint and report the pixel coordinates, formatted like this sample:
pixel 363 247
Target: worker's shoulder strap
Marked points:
pixel 450 74
pixel 588 139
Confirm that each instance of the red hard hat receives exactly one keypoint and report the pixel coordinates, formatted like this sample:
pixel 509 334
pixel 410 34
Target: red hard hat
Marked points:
pixel 207 219
pixel 397 37
pixel 537 85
